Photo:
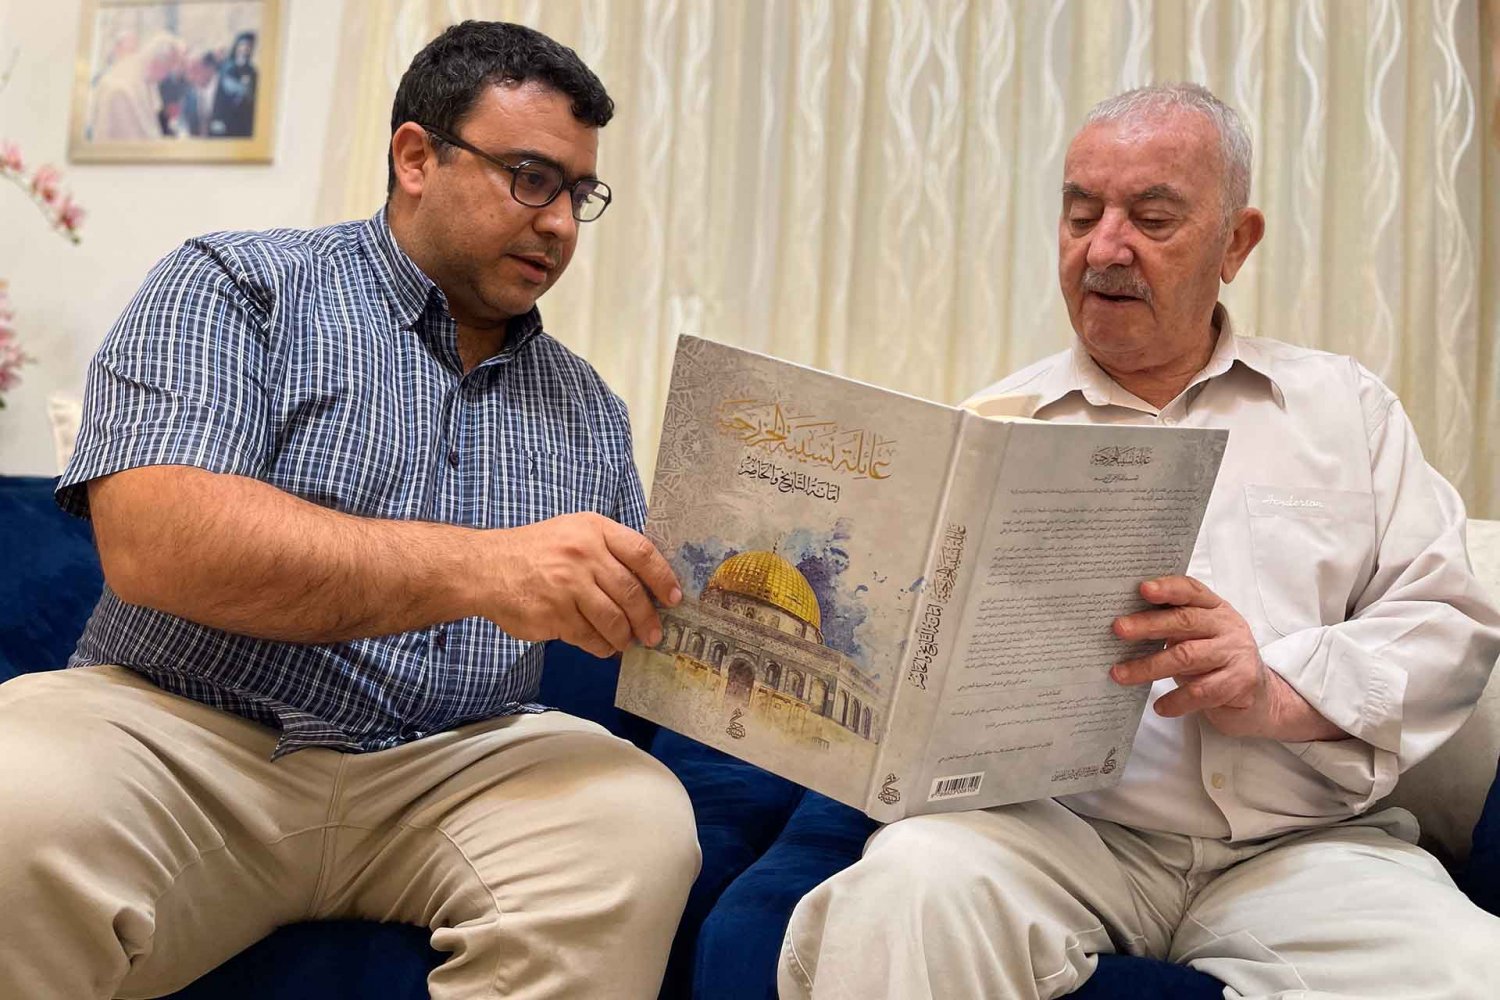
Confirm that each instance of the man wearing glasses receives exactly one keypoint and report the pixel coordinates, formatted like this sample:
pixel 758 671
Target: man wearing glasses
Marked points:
pixel 342 485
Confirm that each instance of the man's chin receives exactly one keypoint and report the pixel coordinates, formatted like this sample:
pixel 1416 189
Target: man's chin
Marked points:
pixel 1113 336
pixel 512 301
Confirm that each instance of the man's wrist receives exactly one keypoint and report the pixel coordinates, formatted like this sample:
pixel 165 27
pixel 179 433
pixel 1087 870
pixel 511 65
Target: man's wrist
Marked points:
pixel 1293 718
pixel 463 586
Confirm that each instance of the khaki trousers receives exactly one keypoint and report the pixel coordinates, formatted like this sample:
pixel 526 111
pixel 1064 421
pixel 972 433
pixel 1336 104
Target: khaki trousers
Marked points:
pixel 1016 902
pixel 145 838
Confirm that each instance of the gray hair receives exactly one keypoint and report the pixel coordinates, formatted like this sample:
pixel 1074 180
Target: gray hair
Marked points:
pixel 1234 141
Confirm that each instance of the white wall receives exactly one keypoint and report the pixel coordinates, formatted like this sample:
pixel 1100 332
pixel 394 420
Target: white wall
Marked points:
pixel 67 296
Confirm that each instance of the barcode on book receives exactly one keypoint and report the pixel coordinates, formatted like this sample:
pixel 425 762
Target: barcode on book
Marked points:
pixel 956 786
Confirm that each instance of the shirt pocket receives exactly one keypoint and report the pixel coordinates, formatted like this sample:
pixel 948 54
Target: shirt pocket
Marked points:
pixel 1309 547
pixel 564 484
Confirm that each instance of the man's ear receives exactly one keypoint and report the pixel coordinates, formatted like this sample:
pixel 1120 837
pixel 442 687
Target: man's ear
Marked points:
pixel 411 154
pixel 1249 227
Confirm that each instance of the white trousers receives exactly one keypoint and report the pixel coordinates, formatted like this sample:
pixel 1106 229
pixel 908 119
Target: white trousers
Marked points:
pixel 1014 903
pixel 145 838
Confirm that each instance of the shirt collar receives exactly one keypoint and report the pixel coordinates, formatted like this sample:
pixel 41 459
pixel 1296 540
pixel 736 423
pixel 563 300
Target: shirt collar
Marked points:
pixel 1083 375
pixel 403 281
pixel 1245 351
pixel 411 292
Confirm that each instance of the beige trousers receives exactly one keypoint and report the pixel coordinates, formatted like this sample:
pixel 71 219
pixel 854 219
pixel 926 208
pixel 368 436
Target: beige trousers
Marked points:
pixel 1013 904
pixel 145 838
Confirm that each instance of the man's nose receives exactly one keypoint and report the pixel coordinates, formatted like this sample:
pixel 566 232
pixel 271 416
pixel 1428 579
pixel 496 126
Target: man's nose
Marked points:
pixel 556 218
pixel 1109 242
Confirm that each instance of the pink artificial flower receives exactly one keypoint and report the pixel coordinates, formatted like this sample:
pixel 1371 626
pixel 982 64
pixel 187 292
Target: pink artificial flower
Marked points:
pixel 11 360
pixel 10 156
pixel 46 183
pixel 69 214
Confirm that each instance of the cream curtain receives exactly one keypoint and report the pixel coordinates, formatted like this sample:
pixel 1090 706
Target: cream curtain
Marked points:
pixel 870 186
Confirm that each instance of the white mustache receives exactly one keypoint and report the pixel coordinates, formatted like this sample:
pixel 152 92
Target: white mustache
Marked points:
pixel 1112 281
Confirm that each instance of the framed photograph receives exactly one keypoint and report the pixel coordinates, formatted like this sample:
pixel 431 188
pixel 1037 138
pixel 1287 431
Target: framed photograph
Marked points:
pixel 183 80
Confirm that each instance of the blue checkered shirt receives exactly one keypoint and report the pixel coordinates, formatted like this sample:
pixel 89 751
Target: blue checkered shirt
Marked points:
pixel 326 364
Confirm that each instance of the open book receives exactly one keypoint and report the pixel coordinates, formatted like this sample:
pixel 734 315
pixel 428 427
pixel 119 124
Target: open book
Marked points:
pixel 904 605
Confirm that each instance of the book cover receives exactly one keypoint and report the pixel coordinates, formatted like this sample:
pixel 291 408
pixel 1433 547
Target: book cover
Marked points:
pixel 797 515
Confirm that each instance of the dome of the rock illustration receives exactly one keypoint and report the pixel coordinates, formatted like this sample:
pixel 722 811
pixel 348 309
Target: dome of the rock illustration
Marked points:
pixel 769 579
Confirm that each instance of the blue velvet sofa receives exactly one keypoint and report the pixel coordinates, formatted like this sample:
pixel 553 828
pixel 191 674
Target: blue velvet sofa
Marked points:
pixel 765 841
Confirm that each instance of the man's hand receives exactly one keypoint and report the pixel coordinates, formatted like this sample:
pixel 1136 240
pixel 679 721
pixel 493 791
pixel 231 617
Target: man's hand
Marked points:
pixel 1216 663
pixel 579 577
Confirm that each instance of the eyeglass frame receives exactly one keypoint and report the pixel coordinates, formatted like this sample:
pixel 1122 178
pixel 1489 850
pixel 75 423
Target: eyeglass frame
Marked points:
pixel 513 169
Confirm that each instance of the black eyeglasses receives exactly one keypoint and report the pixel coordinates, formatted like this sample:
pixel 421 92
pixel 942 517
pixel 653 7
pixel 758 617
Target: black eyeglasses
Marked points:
pixel 536 183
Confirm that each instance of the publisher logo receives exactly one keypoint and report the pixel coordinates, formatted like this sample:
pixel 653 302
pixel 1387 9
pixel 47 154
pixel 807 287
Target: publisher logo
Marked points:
pixel 735 729
pixel 888 793
pixel 1108 767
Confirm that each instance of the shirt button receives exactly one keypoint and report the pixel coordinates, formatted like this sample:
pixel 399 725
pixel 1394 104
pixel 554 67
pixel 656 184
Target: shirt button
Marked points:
pixel 1217 780
pixel 453 457
pixel 410 732
pixel 441 639
pixel 1169 421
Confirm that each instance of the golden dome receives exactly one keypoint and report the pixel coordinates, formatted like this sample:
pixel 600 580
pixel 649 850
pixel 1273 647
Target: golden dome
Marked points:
pixel 767 577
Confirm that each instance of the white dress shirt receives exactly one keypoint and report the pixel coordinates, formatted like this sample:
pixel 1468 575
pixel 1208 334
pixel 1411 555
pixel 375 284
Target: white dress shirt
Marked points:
pixel 1343 550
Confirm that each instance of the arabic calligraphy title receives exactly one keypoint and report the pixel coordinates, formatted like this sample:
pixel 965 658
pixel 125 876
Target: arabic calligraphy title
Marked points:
pixel 806 438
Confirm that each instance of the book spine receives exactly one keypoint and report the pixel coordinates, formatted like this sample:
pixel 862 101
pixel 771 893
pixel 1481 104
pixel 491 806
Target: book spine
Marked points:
pixel 933 633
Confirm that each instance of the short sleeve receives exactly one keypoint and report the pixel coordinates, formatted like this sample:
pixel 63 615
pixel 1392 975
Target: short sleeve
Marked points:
pixel 180 379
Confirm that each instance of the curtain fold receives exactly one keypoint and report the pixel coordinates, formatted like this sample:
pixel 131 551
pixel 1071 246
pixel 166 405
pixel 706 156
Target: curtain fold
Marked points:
pixel 871 186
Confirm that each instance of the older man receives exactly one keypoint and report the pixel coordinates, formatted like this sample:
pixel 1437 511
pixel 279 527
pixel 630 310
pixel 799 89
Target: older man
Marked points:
pixel 342 483
pixel 1329 634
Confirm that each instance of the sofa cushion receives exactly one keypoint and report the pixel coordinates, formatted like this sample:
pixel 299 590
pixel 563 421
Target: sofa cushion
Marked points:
pixel 739 809
pixel 583 684
pixel 1122 977
pixel 740 943
pixel 51 579
pixel 325 960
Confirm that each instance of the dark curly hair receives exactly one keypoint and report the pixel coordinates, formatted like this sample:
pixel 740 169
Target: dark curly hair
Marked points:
pixel 442 83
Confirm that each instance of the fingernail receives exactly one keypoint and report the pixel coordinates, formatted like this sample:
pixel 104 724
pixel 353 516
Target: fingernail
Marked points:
pixel 675 596
pixel 653 637
pixel 1119 675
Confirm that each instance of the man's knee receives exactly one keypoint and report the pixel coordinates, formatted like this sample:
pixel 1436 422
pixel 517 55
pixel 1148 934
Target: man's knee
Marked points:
pixel 57 773
pixel 917 863
pixel 949 854
pixel 76 785
pixel 70 812
pixel 644 813
pixel 1461 948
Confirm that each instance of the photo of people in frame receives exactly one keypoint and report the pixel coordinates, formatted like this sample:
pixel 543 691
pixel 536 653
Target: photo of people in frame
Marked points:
pixel 172 79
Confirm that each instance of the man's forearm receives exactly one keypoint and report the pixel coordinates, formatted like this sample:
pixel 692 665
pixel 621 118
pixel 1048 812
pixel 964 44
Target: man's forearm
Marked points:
pixel 237 554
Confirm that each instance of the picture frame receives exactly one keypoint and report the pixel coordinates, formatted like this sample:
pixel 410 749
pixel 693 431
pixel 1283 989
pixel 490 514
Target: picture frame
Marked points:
pixel 188 81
